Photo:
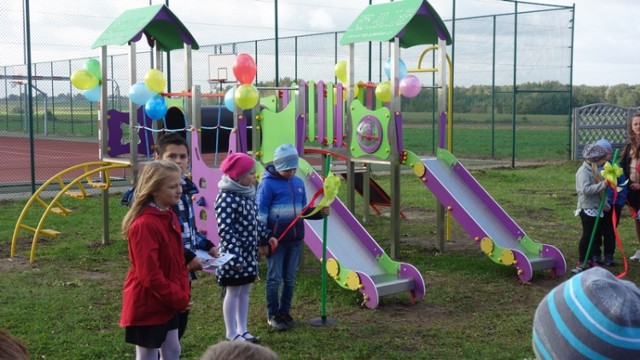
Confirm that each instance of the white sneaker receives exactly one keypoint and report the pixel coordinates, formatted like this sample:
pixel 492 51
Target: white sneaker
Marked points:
pixel 636 256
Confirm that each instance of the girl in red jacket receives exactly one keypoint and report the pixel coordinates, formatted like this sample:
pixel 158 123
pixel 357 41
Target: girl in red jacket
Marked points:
pixel 156 289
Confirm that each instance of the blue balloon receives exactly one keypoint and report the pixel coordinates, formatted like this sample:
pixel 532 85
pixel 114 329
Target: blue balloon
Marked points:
pixel 402 69
pixel 93 94
pixel 229 101
pixel 156 107
pixel 139 93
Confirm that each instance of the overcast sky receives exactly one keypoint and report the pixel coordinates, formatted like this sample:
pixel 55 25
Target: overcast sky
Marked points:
pixel 606 32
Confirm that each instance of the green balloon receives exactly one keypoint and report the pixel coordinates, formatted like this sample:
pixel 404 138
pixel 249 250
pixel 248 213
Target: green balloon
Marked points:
pixel 246 96
pixel 93 66
pixel 83 79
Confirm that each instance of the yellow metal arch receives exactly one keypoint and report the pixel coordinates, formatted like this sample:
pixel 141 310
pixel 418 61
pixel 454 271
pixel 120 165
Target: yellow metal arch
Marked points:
pixel 420 69
pixel 55 206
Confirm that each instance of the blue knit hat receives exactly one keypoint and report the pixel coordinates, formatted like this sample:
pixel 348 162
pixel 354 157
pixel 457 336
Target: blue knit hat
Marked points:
pixel 285 157
pixel 605 144
pixel 593 315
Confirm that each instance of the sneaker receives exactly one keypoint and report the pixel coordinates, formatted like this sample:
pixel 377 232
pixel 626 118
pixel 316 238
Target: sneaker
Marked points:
pixel 277 323
pixel 636 256
pixel 578 269
pixel 608 261
pixel 288 320
pixel 597 259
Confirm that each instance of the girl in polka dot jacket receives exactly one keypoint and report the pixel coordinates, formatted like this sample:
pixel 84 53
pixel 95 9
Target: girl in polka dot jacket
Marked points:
pixel 240 234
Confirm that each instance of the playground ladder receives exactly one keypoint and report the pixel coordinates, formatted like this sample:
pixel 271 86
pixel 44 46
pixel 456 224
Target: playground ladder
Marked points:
pixel 55 206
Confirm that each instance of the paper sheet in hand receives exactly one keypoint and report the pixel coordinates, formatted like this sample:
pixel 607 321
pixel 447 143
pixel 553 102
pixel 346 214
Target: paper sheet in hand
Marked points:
pixel 209 263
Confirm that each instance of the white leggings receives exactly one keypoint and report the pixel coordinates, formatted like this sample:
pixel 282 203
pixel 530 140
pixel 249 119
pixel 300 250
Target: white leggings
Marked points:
pixel 235 309
pixel 170 349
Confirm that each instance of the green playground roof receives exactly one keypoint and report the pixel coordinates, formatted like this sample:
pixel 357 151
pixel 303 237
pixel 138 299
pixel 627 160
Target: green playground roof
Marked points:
pixel 415 22
pixel 156 22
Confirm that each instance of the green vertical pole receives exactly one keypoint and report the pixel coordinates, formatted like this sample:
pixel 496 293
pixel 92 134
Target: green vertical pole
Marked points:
pixel 30 96
pixel 493 92
pixel 323 320
pixel 276 54
pixel 514 93
pixel 573 22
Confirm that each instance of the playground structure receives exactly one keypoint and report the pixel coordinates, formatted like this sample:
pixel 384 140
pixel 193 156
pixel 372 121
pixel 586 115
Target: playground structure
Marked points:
pixel 360 129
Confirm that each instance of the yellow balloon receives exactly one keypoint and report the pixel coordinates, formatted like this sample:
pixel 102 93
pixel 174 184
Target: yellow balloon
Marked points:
pixel 83 79
pixel 341 71
pixel 356 91
pixel 155 81
pixel 383 91
pixel 246 96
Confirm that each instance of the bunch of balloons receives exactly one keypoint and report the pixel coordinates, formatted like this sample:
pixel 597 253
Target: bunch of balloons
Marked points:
pixel 409 84
pixel 147 93
pixel 88 80
pixel 246 95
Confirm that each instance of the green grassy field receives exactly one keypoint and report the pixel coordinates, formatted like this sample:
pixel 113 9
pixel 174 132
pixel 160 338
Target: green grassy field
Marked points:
pixel 67 304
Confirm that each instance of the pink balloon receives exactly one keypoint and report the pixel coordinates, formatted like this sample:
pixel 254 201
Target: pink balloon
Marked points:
pixel 244 68
pixel 410 86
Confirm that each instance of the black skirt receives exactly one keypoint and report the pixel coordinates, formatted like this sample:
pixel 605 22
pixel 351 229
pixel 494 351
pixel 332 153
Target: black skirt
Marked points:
pixel 150 336
pixel 236 282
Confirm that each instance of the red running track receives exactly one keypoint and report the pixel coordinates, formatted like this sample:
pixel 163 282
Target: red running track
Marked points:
pixel 51 157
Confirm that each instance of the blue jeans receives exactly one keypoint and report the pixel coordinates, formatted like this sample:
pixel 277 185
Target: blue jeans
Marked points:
pixel 281 269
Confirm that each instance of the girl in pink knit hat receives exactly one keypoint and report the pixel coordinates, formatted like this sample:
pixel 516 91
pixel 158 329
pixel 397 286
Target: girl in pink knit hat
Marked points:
pixel 240 234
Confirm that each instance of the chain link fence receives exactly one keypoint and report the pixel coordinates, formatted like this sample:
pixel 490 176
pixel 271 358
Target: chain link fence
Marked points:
pixel 512 76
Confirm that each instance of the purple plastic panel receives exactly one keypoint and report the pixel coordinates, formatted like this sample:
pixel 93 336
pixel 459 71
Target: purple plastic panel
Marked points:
pixel 486 199
pixel 442 143
pixel 457 211
pixel 285 98
pixel 314 242
pixel 114 124
pixel 369 91
pixel 410 271
pixel 424 11
pixel 301 130
pixel 522 265
pixel 338 208
pixel 369 290
pixel 242 133
pixel 321 107
pixel 302 99
pixel 338 116
pixel 205 200
pixel 163 14
pixel 553 252
pixel 398 123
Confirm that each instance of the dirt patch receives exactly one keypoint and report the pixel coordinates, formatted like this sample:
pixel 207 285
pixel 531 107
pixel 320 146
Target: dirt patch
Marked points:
pixel 16 262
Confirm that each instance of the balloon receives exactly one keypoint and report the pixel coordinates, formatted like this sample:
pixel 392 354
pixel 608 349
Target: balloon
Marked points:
pixel 93 66
pixel 244 68
pixel 341 71
pixel 402 69
pixel 383 91
pixel 83 79
pixel 228 100
pixel 140 94
pixel 156 107
pixel 93 94
pixel 410 86
pixel 246 96
pixel 155 80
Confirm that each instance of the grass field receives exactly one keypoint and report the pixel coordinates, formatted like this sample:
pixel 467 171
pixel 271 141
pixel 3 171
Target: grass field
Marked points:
pixel 67 304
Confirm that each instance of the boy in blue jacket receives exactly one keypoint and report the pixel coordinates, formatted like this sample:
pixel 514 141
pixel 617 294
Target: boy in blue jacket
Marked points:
pixel 281 197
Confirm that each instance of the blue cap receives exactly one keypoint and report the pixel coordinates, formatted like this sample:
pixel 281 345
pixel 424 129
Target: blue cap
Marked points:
pixel 285 157
pixel 605 144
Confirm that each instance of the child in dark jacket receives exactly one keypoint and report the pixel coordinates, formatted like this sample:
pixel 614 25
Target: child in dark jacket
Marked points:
pixel 240 234
pixel 608 234
pixel 281 198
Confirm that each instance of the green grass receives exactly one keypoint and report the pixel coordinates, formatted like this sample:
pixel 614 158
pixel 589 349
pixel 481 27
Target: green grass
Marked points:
pixel 67 304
